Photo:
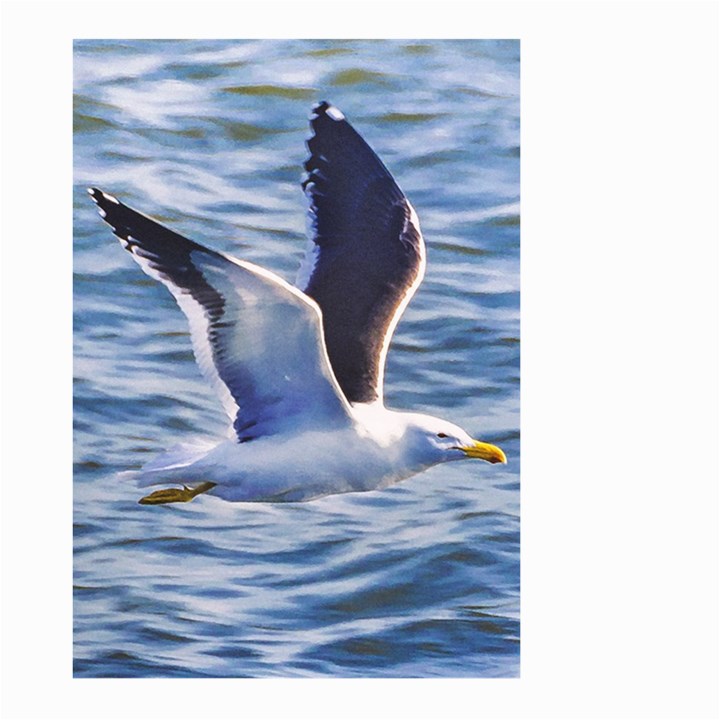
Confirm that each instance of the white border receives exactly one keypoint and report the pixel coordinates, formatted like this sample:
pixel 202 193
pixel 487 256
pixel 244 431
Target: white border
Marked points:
pixel 620 358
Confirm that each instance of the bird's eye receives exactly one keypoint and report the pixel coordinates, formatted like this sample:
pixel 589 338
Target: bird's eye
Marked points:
pixel 441 435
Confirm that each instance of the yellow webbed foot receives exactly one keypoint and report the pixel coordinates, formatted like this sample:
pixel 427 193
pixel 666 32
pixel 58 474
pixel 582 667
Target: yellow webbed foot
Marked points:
pixel 173 495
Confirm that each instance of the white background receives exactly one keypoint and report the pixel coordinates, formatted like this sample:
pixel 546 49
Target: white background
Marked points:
pixel 619 362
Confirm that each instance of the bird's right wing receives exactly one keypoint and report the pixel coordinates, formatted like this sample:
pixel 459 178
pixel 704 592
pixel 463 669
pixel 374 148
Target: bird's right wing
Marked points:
pixel 257 339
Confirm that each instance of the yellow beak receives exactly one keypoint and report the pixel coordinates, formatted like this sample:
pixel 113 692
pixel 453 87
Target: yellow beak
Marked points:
pixel 484 451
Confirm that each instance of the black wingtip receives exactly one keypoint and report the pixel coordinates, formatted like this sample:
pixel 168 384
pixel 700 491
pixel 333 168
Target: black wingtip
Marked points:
pixel 327 120
pixel 327 109
pixel 102 198
pixel 97 194
pixel 321 107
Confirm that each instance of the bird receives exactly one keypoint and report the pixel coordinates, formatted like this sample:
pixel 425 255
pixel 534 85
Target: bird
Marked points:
pixel 299 369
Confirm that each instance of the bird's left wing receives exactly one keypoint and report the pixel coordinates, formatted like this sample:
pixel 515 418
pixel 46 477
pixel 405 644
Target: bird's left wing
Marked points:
pixel 367 255
pixel 257 339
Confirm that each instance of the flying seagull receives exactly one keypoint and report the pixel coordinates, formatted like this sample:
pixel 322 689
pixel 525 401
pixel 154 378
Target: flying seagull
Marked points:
pixel 299 370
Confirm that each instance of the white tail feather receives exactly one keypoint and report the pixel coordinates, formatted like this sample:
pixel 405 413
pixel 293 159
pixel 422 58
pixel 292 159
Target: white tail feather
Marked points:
pixel 170 464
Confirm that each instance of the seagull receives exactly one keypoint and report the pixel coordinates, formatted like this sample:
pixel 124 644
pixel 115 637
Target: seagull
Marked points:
pixel 299 369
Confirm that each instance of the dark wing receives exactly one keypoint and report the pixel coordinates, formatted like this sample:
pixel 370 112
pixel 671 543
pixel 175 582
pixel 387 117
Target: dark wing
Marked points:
pixel 257 339
pixel 367 255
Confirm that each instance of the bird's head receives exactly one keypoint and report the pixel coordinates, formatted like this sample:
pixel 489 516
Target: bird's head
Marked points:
pixel 441 441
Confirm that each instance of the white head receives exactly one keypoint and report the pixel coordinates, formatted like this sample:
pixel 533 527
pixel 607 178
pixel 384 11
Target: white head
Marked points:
pixel 432 440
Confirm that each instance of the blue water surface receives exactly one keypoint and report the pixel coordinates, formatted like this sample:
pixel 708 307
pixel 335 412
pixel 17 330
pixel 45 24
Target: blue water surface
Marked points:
pixel 419 580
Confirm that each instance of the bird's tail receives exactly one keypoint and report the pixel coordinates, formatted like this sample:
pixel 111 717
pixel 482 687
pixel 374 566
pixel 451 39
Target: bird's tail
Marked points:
pixel 173 464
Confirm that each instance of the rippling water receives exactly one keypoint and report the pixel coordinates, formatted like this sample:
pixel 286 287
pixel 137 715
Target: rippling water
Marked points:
pixel 419 580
